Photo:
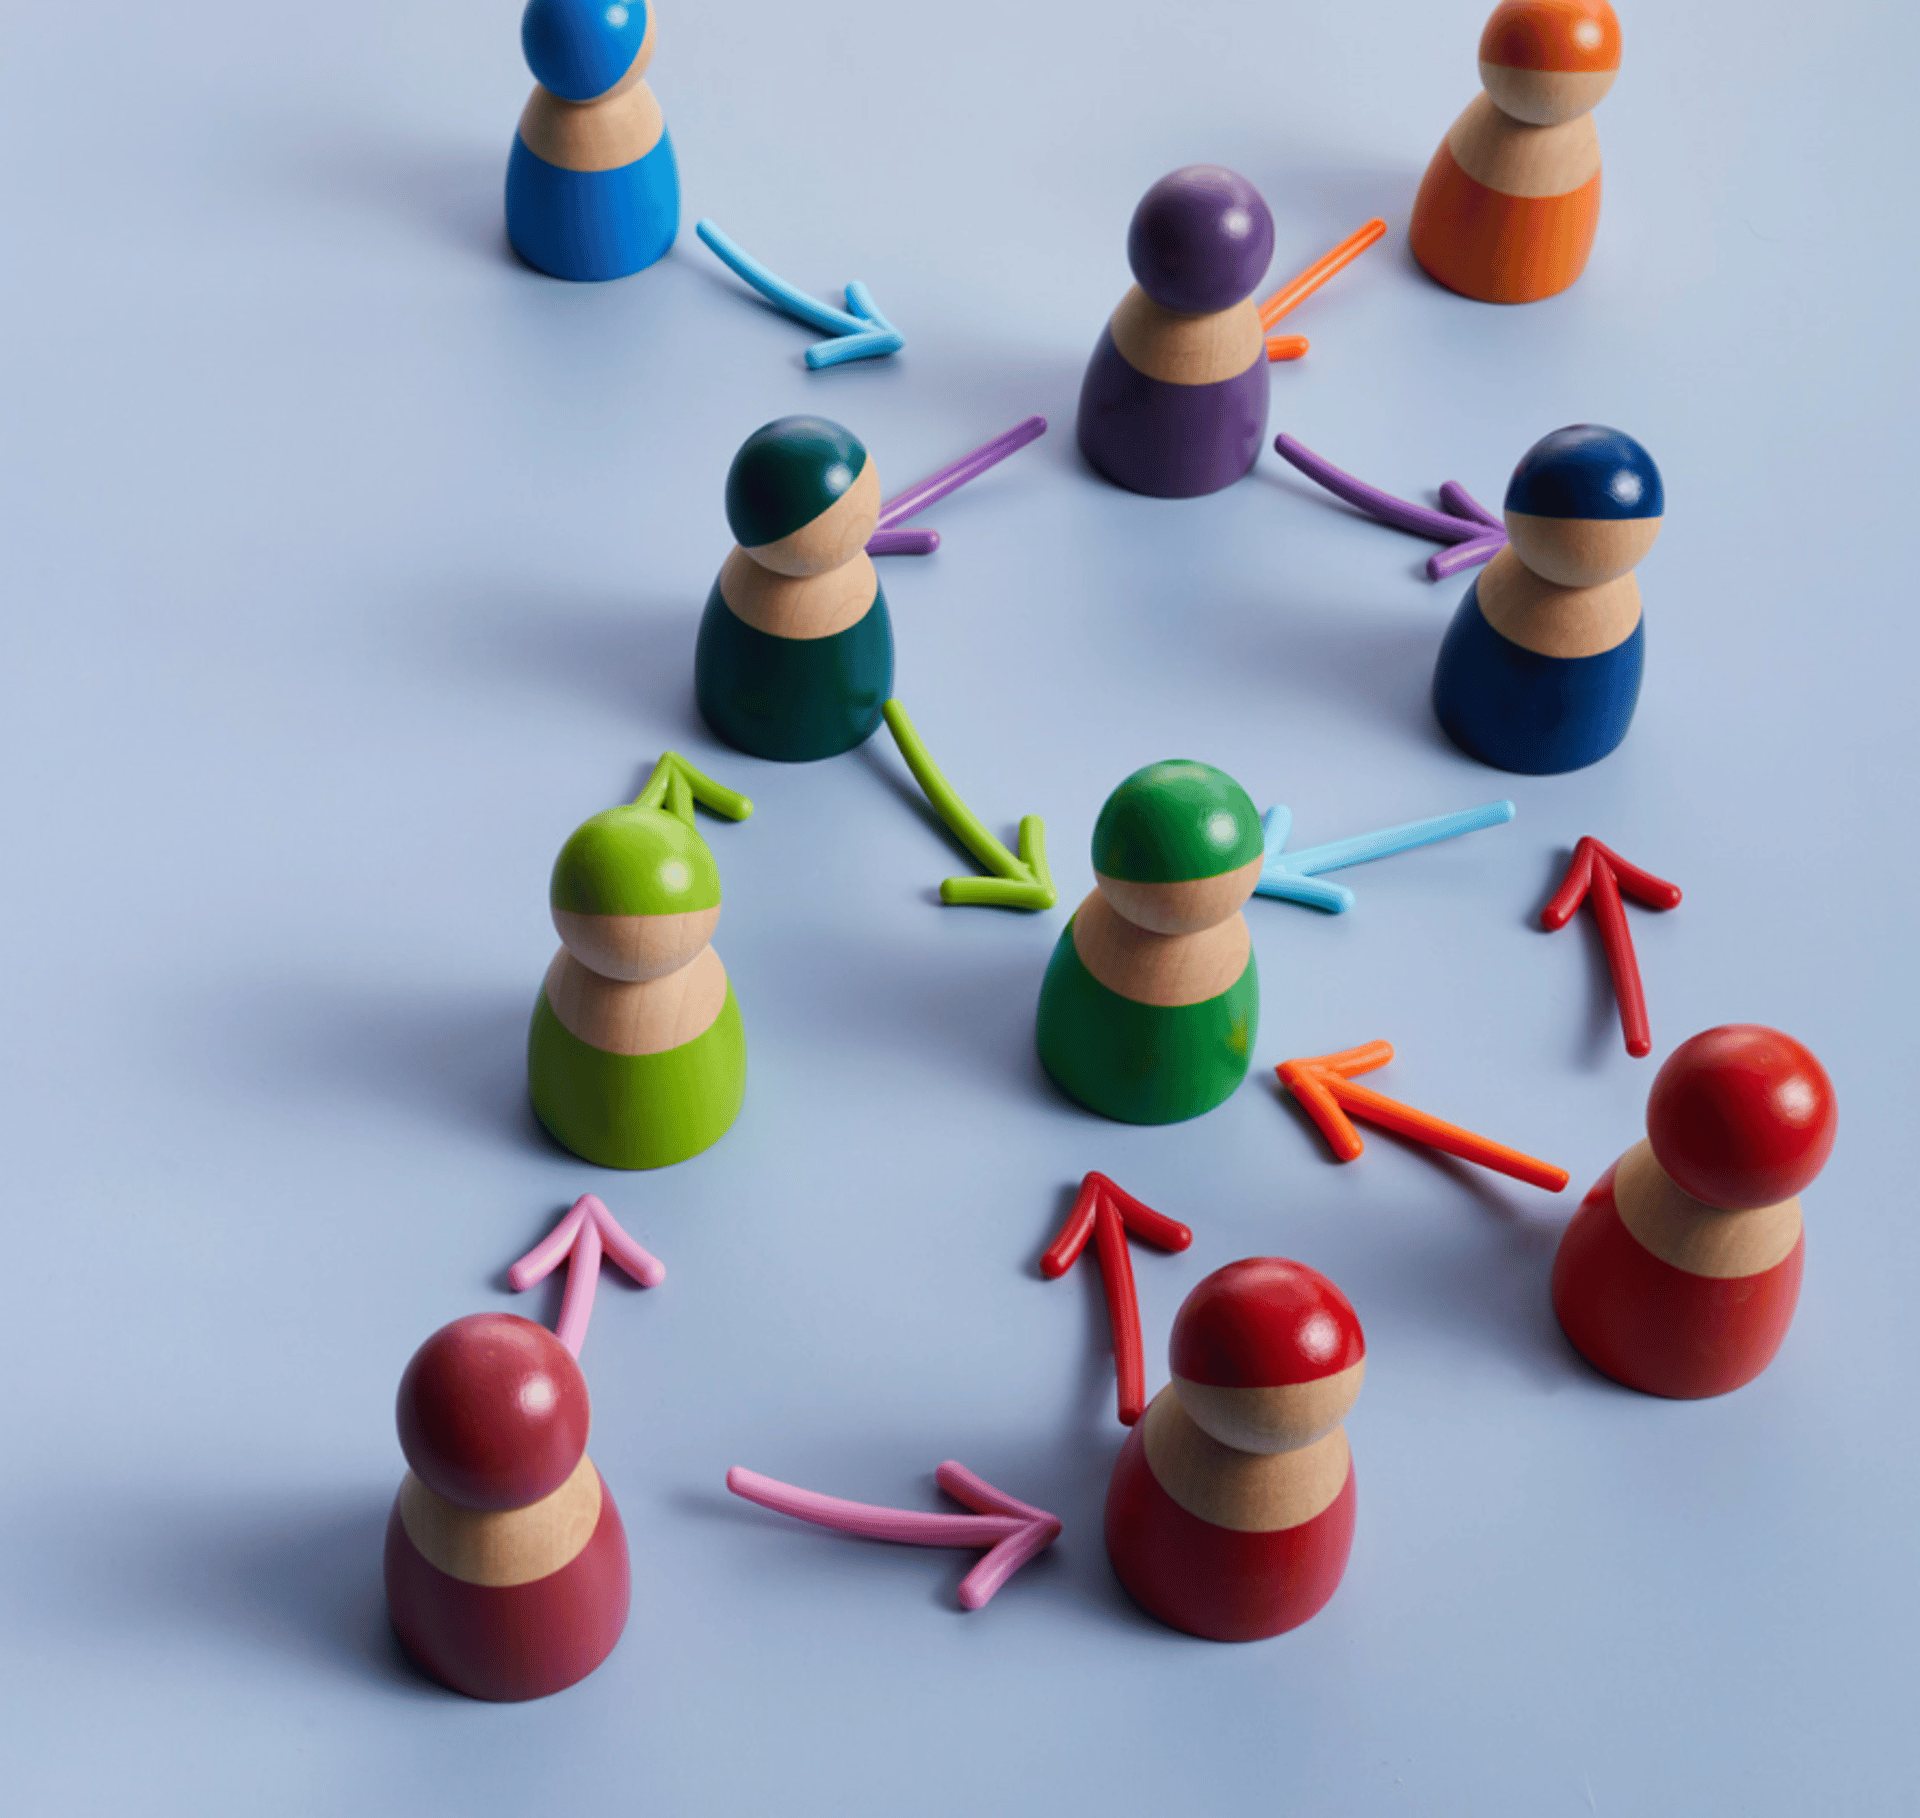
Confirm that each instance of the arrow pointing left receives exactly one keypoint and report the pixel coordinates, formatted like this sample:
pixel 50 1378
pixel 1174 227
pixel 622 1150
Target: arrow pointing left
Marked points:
pixel 865 334
pixel 579 1240
pixel 1016 883
pixel 889 539
pixel 1013 1531
pixel 1324 1086
pixel 1291 875
pixel 1105 1213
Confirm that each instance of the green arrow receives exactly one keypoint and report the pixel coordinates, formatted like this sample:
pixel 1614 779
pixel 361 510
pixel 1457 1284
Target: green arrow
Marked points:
pixel 1016 883
pixel 676 785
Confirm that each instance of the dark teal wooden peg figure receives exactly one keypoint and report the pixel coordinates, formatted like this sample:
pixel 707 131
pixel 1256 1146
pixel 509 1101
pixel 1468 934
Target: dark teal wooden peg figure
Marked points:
pixel 592 188
pixel 795 657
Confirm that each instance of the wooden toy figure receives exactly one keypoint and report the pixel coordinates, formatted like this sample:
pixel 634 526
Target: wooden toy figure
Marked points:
pixel 1679 1274
pixel 1230 1513
pixel 1175 399
pixel 637 1057
pixel 795 656
pixel 592 188
pixel 1151 999
pixel 1508 207
pixel 1540 669
pixel 506 1563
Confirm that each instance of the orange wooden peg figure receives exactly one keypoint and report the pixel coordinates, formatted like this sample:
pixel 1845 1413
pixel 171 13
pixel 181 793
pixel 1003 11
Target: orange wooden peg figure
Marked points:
pixel 1507 210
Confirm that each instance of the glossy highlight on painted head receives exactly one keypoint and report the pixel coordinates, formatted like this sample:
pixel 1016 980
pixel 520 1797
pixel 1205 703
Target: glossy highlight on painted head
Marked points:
pixel 1201 239
pixel 1176 822
pixel 634 861
pixel 579 49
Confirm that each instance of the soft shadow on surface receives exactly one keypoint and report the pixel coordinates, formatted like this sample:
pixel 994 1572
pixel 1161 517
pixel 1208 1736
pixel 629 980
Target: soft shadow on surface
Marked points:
pixel 285 1578
pixel 630 657
pixel 445 1058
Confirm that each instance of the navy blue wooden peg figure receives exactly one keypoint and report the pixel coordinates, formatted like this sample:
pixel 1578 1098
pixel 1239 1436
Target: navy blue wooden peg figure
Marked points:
pixel 1174 403
pixel 1540 669
pixel 592 188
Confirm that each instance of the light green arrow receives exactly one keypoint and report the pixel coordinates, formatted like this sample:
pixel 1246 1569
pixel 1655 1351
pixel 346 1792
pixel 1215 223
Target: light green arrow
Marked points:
pixel 1016 883
pixel 676 785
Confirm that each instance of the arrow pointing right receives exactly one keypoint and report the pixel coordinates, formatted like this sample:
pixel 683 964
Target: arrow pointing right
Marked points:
pixel 1324 1086
pixel 1597 876
pixel 1012 1530
pixel 1105 1213
pixel 864 335
pixel 1477 535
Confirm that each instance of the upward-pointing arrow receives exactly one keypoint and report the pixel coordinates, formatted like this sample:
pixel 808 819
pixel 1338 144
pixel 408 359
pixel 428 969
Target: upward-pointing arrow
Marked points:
pixel 1597 876
pixel 579 1240
pixel 1105 1213
pixel 676 785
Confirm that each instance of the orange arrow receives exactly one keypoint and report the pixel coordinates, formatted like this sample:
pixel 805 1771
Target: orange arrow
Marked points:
pixel 1324 1086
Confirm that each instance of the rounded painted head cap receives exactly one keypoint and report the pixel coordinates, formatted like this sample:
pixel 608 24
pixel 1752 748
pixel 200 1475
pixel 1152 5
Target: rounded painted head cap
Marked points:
pixel 578 49
pixel 635 861
pixel 786 474
pixel 1265 1323
pixel 1174 823
pixel 1741 1116
pixel 1586 471
pixel 1566 37
pixel 1201 239
pixel 493 1412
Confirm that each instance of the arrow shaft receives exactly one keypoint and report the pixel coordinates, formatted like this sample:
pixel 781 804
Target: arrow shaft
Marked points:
pixel 910 1527
pixel 965 825
pixel 1365 847
pixel 956 474
pixel 1422 1127
pixel 1297 290
pixel 1400 513
pixel 1123 1313
pixel 777 290
pixel 583 1277
pixel 1616 940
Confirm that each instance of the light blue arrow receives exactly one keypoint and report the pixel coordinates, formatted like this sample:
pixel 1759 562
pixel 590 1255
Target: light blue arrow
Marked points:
pixel 864 335
pixel 1291 875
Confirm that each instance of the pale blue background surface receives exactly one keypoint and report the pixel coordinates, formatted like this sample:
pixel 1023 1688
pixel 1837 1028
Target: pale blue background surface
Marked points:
pixel 349 565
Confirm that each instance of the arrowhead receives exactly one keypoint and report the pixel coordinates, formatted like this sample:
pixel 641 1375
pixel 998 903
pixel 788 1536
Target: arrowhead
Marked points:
pixel 1315 1082
pixel 677 785
pixel 1653 892
pixel 1279 879
pixel 578 1240
pixel 1037 1530
pixel 1099 1198
pixel 1022 883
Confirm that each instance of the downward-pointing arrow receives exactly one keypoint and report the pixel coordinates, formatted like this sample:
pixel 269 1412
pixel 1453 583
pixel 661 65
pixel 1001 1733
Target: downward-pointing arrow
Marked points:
pixel 1477 535
pixel 863 335
pixel 1597 876
pixel 1291 875
pixel 1016 883
pixel 578 1240
pixel 1105 1213
pixel 888 540
pixel 1012 1530
pixel 1324 1086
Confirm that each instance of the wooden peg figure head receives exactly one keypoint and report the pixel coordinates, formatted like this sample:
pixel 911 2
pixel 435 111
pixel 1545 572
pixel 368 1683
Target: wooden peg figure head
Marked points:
pixel 1741 1117
pixel 803 496
pixel 635 894
pixel 1177 848
pixel 1267 1355
pixel 1584 505
pixel 1545 62
pixel 1201 240
pixel 580 50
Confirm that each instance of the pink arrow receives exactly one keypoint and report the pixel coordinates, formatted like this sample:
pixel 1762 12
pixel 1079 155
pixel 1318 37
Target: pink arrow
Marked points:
pixel 581 1236
pixel 1012 1531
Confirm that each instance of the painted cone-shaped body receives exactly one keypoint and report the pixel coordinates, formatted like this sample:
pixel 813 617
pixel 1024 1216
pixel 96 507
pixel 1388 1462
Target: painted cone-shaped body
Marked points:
pixel 1675 1294
pixel 506 1563
pixel 1151 1001
pixel 593 190
pixel 1231 1509
pixel 637 1056
pixel 795 654
pixel 1540 670
pixel 1174 403
pixel 1508 208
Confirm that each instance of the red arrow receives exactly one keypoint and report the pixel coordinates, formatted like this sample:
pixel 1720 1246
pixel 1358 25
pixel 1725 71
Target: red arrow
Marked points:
pixel 1105 1213
pixel 1012 1530
pixel 579 1240
pixel 1596 877
pixel 1324 1086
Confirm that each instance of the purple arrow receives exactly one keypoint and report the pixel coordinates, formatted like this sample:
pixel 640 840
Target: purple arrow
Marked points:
pixel 585 1232
pixel 889 540
pixel 1012 1530
pixel 1475 533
